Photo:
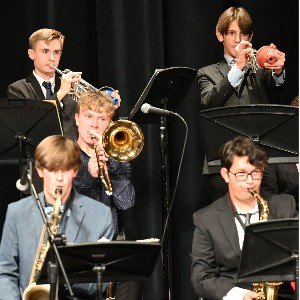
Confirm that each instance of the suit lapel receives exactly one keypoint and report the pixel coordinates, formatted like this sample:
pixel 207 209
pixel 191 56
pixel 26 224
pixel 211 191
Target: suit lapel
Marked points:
pixel 227 222
pixel 75 220
pixel 35 87
pixel 223 67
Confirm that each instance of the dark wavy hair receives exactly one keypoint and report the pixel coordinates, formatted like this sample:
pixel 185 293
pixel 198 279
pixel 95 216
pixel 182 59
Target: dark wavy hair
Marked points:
pixel 243 146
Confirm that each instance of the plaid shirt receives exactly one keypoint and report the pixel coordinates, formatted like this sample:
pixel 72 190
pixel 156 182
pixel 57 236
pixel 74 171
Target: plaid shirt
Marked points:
pixel 123 196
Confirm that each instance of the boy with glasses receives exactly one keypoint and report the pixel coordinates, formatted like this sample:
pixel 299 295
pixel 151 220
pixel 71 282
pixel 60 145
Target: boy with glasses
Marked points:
pixel 219 227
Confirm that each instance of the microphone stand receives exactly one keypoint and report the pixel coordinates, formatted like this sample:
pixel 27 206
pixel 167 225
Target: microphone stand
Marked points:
pixel 54 241
pixel 166 204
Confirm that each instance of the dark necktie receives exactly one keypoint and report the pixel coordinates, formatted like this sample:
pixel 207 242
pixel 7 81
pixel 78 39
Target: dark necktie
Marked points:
pixel 247 217
pixel 47 86
pixel 232 63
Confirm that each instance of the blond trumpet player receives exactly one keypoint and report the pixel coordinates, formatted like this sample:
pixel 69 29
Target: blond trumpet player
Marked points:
pixel 45 50
pixel 83 219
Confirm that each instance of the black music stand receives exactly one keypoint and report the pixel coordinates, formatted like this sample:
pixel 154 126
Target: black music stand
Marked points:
pixel 275 127
pixel 270 252
pixel 106 261
pixel 165 88
pixel 23 124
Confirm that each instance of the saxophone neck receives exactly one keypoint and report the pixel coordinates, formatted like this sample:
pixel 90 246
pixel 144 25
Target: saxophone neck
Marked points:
pixel 264 208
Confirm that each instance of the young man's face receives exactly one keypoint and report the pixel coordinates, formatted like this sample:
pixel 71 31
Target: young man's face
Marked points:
pixel 239 190
pixel 232 38
pixel 45 54
pixel 54 179
pixel 88 120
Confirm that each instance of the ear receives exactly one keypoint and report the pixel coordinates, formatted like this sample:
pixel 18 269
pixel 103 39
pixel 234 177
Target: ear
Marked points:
pixel 40 172
pixel 224 174
pixel 219 36
pixel 31 54
pixel 251 36
pixel 76 119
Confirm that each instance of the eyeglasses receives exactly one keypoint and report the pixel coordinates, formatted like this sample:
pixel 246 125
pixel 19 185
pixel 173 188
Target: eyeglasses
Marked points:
pixel 242 176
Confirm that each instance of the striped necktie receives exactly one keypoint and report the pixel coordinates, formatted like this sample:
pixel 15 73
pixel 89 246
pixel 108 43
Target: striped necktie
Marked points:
pixel 47 85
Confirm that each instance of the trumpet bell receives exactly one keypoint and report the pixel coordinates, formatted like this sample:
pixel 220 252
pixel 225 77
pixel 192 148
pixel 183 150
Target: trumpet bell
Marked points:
pixel 262 56
pixel 123 140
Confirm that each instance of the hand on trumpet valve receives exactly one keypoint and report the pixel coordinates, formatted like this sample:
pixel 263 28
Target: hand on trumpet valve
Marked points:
pixel 67 83
pixel 242 53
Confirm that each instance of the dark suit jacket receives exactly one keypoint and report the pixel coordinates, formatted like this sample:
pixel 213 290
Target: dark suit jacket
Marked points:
pixel 215 250
pixel 216 90
pixel 29 88
pixel 281 179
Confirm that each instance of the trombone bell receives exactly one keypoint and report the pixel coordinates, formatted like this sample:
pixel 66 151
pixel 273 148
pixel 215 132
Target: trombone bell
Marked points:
pixel 123 140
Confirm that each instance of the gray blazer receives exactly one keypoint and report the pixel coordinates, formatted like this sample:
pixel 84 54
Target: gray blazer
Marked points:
pixel 216 252
pixel 88 222
pixel 216 90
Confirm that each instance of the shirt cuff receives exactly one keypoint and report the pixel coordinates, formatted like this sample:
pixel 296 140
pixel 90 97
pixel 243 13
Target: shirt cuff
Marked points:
pixel 235 293
pixel 236 76
pixel 278 80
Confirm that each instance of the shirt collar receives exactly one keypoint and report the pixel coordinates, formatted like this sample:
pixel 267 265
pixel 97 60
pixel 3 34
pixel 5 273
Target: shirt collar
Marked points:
pixel 41 80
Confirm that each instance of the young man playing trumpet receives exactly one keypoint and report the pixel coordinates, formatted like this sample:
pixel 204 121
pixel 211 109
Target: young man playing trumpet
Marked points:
pixel 45 49
pixel 83 219
pixel 230 81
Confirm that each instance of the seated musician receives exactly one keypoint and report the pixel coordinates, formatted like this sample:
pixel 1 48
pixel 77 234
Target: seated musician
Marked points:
pixel 82 220
pixel 219 227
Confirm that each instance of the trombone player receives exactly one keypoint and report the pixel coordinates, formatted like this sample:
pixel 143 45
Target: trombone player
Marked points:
pixel 94 114
pixel 45 49
pixel 83 219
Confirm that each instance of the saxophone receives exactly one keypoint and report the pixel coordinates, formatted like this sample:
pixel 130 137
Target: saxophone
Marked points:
pixel 42 291
pixel 268 290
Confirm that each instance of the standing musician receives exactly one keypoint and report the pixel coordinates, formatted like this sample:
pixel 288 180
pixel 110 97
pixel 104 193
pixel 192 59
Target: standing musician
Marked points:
pixel 219 227
pixel 231 82
pixel 94 113
pixel 45 49
pixel 83 219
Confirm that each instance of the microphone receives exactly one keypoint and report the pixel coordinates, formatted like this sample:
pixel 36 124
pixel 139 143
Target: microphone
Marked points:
pixel 22 183
pixel 148 109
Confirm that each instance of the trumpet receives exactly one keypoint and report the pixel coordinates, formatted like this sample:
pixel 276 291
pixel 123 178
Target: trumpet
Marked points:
pixel 82 86
pixel 257 58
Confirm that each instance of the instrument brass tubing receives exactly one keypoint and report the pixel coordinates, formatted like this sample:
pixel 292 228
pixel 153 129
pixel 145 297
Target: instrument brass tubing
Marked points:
pixel 268 290
pixel 103 177
pixel 42 291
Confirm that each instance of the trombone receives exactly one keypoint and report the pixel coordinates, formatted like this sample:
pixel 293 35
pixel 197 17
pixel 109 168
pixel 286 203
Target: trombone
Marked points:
pixel 123 140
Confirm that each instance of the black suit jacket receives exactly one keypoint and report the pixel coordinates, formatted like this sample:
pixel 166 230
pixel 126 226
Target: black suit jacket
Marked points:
pixel 216 90
pixel 281 179
pixel 29 88
pixel 215 250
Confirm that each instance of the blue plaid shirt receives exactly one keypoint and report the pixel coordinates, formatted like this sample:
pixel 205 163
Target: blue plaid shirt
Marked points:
pixel 123 196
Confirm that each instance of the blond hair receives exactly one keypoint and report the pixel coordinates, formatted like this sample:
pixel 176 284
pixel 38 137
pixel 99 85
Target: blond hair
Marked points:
pixel 47 35
pixel 97 101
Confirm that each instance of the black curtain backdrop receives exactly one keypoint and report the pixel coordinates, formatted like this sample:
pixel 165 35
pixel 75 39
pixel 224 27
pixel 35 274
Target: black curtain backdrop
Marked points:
pixel 120 43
